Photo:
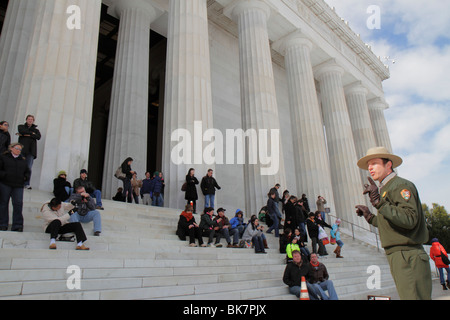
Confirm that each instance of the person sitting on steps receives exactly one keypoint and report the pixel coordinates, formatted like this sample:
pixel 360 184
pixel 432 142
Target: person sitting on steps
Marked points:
pixel 57 222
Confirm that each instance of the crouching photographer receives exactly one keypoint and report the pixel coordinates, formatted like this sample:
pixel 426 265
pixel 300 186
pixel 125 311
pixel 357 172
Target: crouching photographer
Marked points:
pixel 86 211
pixel 57 223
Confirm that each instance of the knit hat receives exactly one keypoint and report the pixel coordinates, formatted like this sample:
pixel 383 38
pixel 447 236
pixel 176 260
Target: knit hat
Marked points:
pixel 62 172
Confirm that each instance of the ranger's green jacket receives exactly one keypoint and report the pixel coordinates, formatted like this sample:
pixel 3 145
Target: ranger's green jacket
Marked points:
pixel 400 220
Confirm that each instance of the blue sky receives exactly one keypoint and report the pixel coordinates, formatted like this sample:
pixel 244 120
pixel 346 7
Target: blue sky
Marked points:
pixel 416 34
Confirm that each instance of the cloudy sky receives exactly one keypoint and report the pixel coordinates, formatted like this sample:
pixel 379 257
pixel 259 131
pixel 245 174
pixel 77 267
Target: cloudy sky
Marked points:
pixel 414 33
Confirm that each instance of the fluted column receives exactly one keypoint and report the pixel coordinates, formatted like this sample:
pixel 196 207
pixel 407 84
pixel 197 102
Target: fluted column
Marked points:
pixel 188 99
pixel 258 97
pixel 310 153
pixel 128 117
pixel 58 87
pixel 377 107
pixel 363 136
pixel 347 186
pixel 15 43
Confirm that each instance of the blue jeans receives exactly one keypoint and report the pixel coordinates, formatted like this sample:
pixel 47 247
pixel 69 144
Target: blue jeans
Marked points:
pixel 227 233
pixel 16 195
pixel 258 243
pixel 441 274
pixel 296 290
pixel 30 161
pixel 318 290
pixel 240 230
pixel 158 201
pixel 324 216
pixel 209 200
pixel 91 216
pixel 274 225
pixel 69 192
pixel 97 194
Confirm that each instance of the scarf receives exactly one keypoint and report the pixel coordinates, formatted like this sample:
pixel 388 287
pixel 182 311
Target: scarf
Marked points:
pixel 315 265
pixel 188 216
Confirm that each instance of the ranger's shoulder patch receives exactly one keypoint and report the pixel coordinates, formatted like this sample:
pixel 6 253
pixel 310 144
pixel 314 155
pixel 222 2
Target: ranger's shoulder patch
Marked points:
pixel 406 194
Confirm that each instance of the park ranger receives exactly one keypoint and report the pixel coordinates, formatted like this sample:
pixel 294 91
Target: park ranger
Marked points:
pixel 400 221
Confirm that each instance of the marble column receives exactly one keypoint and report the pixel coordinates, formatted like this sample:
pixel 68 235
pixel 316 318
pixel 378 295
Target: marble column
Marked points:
pixel 15 44
pixel 128 117
pixel 347 186
pixel 363 136
pixel 58 87
pixel 312 168
pixel 258 98
pixel 188 100
pixel 377 107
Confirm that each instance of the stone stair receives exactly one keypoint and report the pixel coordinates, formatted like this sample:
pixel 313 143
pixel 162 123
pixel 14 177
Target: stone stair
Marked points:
pixel 138 256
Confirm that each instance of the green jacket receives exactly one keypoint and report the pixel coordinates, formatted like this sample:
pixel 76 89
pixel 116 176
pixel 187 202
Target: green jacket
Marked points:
pixel 400 220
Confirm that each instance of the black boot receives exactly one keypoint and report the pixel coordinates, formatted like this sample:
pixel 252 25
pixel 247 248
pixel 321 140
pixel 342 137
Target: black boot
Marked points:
pixel 444 287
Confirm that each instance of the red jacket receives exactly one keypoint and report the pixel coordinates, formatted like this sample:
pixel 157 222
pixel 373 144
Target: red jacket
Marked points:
pixel 435 254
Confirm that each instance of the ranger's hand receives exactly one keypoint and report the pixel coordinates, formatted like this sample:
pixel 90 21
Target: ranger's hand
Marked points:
pixel 373 192
pixel 363 211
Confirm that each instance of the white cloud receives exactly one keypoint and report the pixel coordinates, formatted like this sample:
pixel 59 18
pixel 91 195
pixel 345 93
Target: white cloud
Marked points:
pixel 415 34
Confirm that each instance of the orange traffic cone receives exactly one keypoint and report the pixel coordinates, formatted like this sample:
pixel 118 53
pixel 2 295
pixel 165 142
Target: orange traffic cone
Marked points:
pixel 304 290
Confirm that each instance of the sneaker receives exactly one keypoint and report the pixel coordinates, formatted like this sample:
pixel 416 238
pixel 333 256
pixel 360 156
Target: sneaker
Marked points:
pixel 99 208
pixel 203 245
pixel 212 245
pixel 97 233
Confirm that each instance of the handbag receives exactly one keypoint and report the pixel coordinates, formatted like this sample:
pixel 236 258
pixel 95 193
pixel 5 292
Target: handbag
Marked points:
pixel 445 259
pixel 333 241
pixel 119 174
pixel 184 187
pixel 322 233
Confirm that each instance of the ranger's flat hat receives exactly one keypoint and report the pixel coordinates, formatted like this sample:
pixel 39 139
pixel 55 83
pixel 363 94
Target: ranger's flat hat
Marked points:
pixel 379 152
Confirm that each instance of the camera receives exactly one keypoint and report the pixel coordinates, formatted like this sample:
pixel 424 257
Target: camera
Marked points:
pixel 75 205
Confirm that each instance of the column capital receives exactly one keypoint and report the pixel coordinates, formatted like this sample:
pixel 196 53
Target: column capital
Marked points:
pixel 237 7
pixel 296 38
pixel 327 67
pixel 120 6
pixel 378 103
pixel 356 87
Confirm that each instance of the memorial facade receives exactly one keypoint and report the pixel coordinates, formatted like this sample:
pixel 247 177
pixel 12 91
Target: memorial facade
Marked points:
pixel 260 91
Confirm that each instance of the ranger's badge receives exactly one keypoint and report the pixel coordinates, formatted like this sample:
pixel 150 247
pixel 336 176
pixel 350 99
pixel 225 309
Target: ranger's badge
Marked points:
pixel 406 194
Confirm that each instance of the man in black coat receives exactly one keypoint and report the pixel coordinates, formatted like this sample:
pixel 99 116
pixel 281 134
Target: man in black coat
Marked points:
pixel 5 137
pixel 28 137
pixel 14 172
pixel 208 186
pixel 294 272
